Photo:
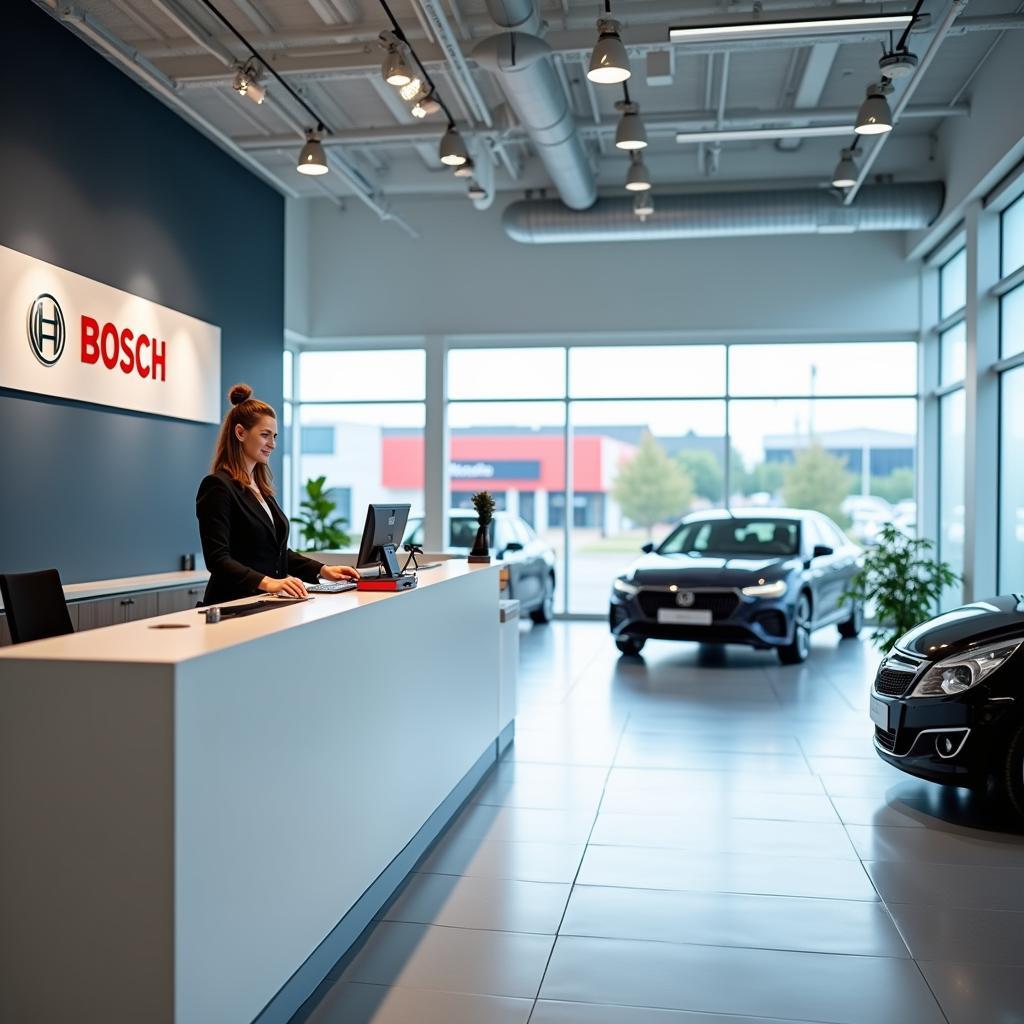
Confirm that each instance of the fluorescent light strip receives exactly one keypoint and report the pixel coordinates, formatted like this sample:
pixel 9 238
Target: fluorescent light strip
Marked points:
pixel 820 131
pixel 767 29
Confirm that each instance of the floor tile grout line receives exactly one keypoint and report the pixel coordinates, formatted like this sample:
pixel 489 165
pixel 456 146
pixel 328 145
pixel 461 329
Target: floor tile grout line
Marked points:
pixel 709 892
pixel 659 942
pixel 579 867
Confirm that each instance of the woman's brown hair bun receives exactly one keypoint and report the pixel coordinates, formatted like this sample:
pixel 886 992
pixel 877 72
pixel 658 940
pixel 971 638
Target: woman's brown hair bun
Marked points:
pixel 239 394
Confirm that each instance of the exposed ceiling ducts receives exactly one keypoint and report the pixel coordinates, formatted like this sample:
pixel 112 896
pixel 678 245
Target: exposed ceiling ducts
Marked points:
pixel 724 214
pixel 528 78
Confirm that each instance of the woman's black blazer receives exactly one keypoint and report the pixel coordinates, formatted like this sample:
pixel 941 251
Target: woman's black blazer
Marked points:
pixel 240 544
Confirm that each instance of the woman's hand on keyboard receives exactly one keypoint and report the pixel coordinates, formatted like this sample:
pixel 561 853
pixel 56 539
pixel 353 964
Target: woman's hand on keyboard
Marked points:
pixel 338 573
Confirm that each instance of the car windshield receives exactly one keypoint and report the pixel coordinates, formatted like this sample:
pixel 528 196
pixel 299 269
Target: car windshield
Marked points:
pixel 744 537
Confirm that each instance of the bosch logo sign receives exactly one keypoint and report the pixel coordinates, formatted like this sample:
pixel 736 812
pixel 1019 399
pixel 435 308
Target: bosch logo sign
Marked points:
pixel 685 598
pixel 65 336
pixel 46 329
pixel 115 347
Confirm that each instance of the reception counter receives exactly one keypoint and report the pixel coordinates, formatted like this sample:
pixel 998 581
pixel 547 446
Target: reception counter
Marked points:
pixel 198 821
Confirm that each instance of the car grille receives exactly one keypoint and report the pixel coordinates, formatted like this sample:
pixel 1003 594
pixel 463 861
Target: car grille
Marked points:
pixel 721 604
pixel 885 739
pixel 892 682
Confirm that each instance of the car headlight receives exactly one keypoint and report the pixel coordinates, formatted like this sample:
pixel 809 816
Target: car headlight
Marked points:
pixel 623 586
pixel 776 589
pixel 962 671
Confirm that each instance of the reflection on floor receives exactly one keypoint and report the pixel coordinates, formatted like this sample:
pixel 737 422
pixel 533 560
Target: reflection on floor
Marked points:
pixel 682 839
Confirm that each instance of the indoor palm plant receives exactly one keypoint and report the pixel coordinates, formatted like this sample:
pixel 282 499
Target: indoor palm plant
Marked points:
pixel 903 582
pixel 317 528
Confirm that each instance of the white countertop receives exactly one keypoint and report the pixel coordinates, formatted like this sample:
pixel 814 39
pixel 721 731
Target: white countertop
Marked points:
pixel 131 585
pixel 139 643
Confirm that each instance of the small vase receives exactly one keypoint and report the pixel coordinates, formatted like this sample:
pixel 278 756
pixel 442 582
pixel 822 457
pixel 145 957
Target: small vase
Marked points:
pixel 481 545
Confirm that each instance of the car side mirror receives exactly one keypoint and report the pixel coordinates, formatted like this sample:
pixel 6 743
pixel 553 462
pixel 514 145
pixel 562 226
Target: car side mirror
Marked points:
pixel 822 550
pixel 647 548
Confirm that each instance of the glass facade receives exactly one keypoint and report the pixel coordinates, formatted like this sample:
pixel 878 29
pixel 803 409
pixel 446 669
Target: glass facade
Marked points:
pixel 1011 401
pixel 647 433
pixel 953 285
pixel 952 420
pixel 1011 497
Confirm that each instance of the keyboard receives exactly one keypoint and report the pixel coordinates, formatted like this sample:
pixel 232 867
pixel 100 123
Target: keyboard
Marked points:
pixel 331 588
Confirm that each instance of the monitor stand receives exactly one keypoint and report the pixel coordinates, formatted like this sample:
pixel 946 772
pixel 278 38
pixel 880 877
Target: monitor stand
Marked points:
pixel 391 577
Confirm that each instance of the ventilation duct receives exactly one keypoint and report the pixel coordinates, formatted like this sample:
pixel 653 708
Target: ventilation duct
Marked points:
pixel 528 78
pixel 727 214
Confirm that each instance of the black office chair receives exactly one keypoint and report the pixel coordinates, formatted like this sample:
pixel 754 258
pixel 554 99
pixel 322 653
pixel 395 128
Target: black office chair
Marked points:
pixel 34 604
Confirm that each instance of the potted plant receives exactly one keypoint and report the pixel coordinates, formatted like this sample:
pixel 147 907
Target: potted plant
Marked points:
pixel 903 581
pixel 484 505
pixel 317 529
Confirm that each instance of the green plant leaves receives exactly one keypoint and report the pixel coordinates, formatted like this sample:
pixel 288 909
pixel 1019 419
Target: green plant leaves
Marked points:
pixel 317 529
pixel 903 581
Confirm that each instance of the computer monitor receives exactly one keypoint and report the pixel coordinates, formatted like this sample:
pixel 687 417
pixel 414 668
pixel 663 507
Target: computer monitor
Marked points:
pixel 383 532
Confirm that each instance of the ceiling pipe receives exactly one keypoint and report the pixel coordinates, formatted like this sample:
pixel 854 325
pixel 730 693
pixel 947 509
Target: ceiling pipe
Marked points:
pixel 727 215
pixel 955 8
pixel 523 65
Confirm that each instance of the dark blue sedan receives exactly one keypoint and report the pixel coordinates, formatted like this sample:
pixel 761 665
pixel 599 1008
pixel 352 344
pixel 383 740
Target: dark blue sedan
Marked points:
pixel 766 579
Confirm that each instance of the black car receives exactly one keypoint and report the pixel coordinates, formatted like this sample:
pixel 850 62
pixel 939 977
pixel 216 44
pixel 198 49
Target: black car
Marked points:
pixel 765 579
pixel 530 562
pixel 947 702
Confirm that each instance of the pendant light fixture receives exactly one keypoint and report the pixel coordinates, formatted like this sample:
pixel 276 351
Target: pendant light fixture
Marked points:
pixel 312 159
pixel 874 116
pixel 394 69
pixel 630 133
pixel 609 62
pixel 845 174
pixel 638 179
pixel 464 170
pixel 453 150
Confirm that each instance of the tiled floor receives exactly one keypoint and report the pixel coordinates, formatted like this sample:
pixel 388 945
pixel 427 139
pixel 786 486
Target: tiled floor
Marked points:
pixel 692 839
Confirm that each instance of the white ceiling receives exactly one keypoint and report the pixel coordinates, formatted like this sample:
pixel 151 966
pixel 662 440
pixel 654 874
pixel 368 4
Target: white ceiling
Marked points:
pixel 327 50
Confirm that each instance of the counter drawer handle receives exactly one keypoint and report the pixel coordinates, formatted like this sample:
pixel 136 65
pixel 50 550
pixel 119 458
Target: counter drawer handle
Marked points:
pixel 128 601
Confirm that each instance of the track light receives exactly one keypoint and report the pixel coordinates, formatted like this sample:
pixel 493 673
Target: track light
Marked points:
pixel 630 133
pixel 475 191
pixel 247 83
pixel 643 205
pixel 638 180
pixel 464 170
pixel 453 149
pixel 845 174
pixel 425 107
pixel 394 69
pixel 312 159
pixel 411 90
pixel 874 116
pixel 609 63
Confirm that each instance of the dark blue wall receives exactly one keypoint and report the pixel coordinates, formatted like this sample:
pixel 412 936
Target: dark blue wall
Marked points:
pixel 99 177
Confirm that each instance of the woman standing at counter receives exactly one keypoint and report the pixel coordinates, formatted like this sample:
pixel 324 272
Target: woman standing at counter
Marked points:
pixel 242 528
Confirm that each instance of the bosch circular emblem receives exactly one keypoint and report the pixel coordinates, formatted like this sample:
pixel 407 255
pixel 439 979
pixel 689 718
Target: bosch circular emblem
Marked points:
pixel 46 329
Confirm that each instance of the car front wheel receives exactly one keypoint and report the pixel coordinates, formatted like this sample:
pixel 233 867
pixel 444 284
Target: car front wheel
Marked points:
pixel 545 612
pixel 850 629
pixel 797 651
pixel 627 645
